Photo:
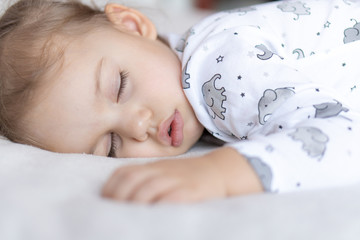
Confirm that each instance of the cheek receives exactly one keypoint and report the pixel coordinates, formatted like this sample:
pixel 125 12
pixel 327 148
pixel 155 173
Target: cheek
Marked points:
pixel 163 76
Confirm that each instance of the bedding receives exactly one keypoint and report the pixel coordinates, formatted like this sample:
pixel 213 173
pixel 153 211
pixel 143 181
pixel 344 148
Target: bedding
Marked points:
pixel 47 195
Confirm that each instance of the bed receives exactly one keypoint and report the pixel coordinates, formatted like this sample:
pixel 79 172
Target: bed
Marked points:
pixel 47 195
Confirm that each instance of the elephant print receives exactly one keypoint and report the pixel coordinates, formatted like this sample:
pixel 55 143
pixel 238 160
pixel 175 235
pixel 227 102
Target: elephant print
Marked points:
pixel 352 34
pixel 185 76
pixel 298 8
pixel 313 139
pixel 214 97
pixel 271 101
pixel 329 109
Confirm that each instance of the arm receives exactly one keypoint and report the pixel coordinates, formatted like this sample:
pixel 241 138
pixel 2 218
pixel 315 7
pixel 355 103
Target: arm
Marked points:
pixel 221 173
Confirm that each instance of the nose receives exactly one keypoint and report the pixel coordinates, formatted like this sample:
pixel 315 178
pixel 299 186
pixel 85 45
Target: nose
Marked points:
pixel 136 124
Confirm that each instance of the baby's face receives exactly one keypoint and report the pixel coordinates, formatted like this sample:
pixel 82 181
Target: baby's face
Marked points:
pixel 117 94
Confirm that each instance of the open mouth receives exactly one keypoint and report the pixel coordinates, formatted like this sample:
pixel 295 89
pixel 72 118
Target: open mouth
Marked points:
pixel 171 130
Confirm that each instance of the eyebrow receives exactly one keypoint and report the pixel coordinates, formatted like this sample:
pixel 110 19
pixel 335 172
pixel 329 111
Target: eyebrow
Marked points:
pixel 98 75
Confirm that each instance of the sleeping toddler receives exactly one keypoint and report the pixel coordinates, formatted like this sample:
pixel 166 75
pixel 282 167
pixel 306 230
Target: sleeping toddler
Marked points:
pixel 277 83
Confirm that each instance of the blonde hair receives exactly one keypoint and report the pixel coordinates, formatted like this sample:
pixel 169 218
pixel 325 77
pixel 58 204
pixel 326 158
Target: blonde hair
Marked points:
pixel 32 34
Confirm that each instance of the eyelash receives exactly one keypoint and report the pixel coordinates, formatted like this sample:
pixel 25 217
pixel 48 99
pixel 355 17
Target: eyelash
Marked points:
pixel 113 147
pixel 123 78
pixel 123 82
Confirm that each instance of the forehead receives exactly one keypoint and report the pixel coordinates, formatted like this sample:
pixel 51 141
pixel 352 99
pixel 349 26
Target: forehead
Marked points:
pixel 66 110
pixel 98 37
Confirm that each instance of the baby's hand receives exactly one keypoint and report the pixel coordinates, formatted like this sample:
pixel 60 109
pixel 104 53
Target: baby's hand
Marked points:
pixel 183 180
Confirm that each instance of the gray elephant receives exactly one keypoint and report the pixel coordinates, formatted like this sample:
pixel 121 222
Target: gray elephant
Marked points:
pixel 329 109
pixel 214 97
pixel 271 101
pixel 298 8
pixel 352 34
pixel 313 139
pixel 185 76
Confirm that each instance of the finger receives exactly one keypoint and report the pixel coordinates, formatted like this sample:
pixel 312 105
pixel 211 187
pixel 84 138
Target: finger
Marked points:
pixel 181 195
pixel 111 183
pixel 152 189
pixel 124 182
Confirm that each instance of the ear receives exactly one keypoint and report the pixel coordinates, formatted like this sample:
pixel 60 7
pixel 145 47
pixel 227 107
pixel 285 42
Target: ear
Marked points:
pixel 131 20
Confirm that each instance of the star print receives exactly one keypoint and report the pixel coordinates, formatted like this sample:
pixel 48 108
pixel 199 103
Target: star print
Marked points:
pixel 327 24
pixel 344 64
pixel 239 77
pixel 220 59
pixel 244 138
pixel 242 94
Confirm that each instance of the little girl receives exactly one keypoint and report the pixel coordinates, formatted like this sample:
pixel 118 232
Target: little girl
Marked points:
pixel 277 82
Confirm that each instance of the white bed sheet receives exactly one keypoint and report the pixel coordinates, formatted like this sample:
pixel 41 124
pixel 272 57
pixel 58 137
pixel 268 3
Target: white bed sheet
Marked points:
pixel 46 195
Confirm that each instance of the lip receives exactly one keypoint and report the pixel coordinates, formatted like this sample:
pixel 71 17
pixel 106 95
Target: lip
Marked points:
pixel 176 136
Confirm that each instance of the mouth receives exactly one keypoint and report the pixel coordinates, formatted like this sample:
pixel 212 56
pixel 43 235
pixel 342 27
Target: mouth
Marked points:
pixel 171 130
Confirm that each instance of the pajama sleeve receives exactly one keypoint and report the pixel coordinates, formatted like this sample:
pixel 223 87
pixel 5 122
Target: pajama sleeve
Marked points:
pixel 308 147
pixel 282 88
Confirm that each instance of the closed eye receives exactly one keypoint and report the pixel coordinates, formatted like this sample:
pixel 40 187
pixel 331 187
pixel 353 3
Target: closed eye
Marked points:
pixel 114 138
pixel 123 82
pixel 113 147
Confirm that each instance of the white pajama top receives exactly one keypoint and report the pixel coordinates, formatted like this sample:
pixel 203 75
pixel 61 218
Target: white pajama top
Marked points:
pixel 280 82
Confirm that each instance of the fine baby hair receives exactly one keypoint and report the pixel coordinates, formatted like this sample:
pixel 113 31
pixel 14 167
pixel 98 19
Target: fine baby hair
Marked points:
pixel 33 35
